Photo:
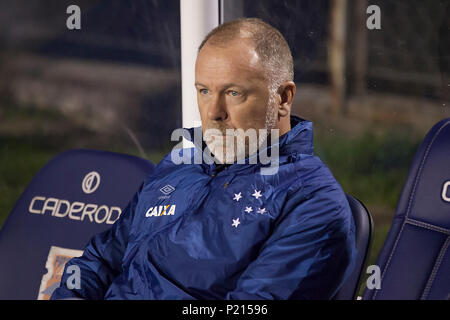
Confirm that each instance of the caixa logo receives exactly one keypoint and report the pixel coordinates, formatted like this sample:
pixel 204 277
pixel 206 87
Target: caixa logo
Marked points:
pixel 77 210
pixel 446 191
pixel 157 211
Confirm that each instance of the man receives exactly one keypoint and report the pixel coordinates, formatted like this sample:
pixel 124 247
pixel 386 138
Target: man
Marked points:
pixel 224 230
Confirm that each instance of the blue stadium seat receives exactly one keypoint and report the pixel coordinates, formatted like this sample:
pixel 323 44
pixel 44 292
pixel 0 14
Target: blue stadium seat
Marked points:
pixel 415 258
pixel 364 229
pixel 77 194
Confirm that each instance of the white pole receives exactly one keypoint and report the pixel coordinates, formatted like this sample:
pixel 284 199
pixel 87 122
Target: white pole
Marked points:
pixel 198 17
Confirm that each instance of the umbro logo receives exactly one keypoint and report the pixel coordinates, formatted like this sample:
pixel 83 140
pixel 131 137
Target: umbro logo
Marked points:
pixel 167 189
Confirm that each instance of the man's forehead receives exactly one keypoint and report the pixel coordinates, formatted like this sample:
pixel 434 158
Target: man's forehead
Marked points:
pixel 237 59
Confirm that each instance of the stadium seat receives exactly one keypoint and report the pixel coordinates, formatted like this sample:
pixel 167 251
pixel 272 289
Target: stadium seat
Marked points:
pixel 415 259
pixel 75 195
pixel 364 228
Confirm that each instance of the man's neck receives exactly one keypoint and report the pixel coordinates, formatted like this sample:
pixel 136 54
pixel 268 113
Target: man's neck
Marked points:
pixel 284 126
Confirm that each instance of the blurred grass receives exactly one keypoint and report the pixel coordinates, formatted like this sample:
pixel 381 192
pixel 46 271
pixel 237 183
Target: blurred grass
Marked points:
pixel 18 164
pixel 370 167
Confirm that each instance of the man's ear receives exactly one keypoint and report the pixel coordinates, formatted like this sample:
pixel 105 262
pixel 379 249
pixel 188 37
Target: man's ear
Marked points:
pixel 287 93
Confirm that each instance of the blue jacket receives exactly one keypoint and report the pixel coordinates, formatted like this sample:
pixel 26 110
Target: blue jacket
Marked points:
pixel 194 231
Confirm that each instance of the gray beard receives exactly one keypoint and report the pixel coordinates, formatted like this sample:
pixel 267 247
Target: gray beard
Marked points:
pixel 233 146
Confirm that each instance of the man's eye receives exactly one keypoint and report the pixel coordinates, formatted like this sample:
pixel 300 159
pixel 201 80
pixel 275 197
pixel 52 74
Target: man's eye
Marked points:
pixel 204 91
pixel 233 93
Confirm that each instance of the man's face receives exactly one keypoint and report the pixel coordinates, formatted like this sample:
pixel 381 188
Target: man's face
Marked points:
pixel 232 93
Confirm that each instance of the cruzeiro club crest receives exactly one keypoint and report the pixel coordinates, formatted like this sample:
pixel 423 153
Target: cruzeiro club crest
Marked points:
pixel 253 204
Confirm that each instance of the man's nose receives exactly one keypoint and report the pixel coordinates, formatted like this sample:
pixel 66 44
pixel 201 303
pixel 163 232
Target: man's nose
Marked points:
pixel 217 109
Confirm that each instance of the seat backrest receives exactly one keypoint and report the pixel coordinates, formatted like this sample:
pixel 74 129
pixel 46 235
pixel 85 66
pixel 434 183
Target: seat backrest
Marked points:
pixel 75 195
pixel 363 233
pixel 415 259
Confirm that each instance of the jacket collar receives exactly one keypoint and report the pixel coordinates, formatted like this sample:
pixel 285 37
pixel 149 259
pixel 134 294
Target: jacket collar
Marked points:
pixel 298 140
